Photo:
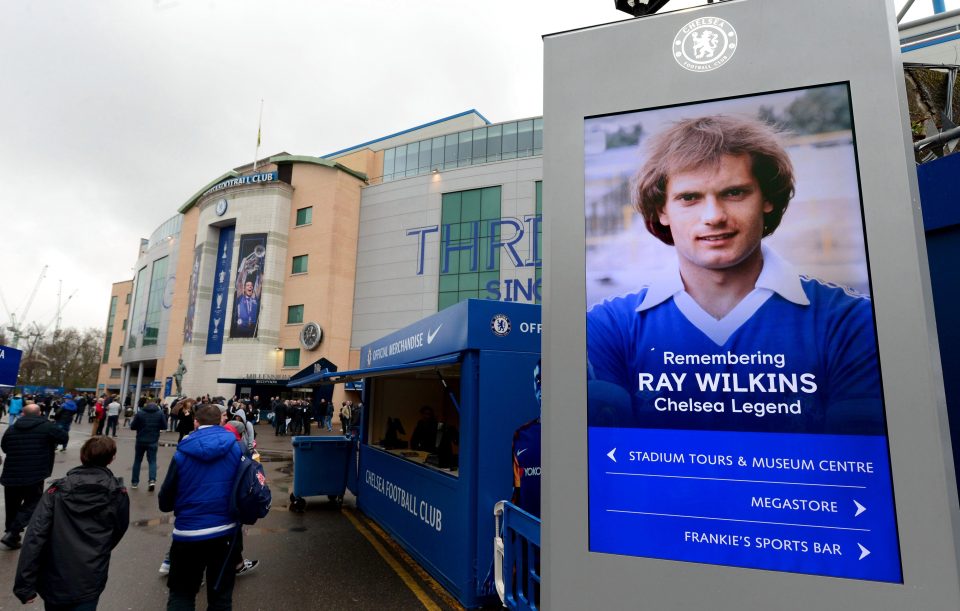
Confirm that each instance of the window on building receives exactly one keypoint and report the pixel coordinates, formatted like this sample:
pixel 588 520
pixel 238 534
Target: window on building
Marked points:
pixel 469 255
pixel 123 325
pixel 299 264
pixel 294 314
pixel 111 318
pixel 305 216
pixel 128 298
pixel 158 280
pixel 120 352
pixel 115 373
pixel 291 357
pixel 468 147
pixel 139 306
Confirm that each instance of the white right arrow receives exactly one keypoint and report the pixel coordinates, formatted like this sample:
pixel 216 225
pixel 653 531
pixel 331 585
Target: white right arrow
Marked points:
pixel 864 552
pixel 611 456
pixel 860 508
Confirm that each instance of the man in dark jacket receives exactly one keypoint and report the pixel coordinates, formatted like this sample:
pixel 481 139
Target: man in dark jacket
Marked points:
pixel 81 518
pixel 148 423
pixel 197 488
pixel 29 445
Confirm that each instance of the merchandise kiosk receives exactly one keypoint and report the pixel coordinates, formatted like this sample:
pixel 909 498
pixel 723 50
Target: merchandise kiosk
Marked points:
pixel 443 397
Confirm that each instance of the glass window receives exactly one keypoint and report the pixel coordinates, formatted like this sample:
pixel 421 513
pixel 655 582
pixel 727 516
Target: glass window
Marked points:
pixel 489 204
pixel 424 166
pixel 120 352
pixel 388 164
pixel 300 264
pixel 538 136
pixel 509 145
pixel 106 346
pixel 436 158
pixel 450 151
pixel 466 217
pixel 525 138
pixel 291 357
pixel 465 148
pixel 479 145
pixel 139 306
pixel 123 325
pixel 158 280
pixel 400 163
pixel 470 210
pixel 305 216
pixel 395 422
pixel 413 150
pixel 114 373
pixel 128 298
pixel 493 142
pixel 294 314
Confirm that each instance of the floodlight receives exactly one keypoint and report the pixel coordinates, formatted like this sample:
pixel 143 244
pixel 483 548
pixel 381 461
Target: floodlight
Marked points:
pixel 639 8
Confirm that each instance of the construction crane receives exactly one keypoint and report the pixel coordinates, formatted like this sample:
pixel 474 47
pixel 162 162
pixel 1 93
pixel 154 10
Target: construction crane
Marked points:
pixel 15 326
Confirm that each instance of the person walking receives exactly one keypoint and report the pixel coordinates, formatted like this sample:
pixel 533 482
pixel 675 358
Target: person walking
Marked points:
pixel 280 418
pixel 185 424
pixel 99 415
pixel 148 423
pixel 77 524
pixel 113 417
pixel 197 489
pixel 29 445
pixel 345 417
pixel 15 409
pixel 82 402
pixel 64 415
pixel 328 416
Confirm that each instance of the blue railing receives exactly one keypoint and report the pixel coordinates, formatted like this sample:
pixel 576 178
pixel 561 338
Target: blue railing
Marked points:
pixel 517 562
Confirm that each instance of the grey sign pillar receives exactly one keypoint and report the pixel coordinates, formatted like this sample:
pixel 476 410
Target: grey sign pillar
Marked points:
pixel 839 495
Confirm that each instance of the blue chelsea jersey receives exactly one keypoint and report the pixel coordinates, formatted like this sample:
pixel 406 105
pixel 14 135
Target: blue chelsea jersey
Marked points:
pixel 789 367
pixel 526 467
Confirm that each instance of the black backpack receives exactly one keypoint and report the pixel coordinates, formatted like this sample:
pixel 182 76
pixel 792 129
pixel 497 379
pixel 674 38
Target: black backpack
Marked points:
pixel 251 496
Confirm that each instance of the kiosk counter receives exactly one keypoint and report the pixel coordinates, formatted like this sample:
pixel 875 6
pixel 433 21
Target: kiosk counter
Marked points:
pixel 443 399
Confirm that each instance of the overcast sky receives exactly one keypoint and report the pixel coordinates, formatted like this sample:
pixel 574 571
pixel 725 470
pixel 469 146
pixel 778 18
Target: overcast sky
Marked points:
pixel 117 111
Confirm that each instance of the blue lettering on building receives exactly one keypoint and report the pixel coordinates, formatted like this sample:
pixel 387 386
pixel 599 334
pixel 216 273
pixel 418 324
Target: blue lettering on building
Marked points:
pixel 517 242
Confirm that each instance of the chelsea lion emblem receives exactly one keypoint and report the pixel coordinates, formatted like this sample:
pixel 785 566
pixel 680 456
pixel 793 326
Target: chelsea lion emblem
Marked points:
pixel 705 44
pixel 500 325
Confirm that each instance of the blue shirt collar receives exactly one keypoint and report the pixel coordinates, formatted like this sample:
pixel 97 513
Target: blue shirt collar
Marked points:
pixel 777 276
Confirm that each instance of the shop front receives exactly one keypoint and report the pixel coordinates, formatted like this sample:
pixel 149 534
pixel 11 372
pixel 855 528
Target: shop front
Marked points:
pixel 443 398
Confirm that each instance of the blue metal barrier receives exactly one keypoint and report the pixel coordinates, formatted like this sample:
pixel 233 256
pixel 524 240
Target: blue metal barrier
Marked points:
pixel 518 577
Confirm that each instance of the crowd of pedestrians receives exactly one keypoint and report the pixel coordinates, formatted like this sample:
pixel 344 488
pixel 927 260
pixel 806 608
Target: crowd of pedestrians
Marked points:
pixel 84 515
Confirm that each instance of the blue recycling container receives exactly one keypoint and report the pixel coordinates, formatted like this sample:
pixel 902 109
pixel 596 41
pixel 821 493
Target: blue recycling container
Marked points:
pixel 319 468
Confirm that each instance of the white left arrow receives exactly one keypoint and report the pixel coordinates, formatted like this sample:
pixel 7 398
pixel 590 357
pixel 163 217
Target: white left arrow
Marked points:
pixel 864 552
pixel 860 508
pixel 611 456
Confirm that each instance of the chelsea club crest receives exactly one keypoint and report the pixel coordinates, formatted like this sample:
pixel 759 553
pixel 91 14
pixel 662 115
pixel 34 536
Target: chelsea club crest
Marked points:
pixel 705 44
pixel 500 325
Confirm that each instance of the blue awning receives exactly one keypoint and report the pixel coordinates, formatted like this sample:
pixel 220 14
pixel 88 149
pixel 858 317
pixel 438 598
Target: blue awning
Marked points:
pixel 339 377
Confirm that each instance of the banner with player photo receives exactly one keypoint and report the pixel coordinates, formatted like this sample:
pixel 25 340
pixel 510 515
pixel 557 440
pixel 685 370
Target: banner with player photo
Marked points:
pixel 731 338
pixel 192 298
pixel 248 285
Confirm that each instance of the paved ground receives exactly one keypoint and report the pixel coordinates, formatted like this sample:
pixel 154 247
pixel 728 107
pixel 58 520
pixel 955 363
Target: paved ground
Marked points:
pixel 320 559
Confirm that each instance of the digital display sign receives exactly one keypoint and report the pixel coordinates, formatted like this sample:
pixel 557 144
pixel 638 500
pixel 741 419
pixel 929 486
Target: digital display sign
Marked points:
pixel 735 404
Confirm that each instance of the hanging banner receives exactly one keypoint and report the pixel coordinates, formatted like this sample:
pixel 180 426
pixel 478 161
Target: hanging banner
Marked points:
pixel 248 285
pixel 734 390
pixel 192 299
pixel 9 365
pixel 218 299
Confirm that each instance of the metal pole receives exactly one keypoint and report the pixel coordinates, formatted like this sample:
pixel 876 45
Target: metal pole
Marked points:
pixel 903 11
pixel 941 138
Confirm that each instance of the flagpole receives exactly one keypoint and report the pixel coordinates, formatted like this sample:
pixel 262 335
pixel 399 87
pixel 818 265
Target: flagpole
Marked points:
pixel 256 151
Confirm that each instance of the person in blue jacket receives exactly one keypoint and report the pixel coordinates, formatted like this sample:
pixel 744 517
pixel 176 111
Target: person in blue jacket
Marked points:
pixel 733 337
pixel 197 489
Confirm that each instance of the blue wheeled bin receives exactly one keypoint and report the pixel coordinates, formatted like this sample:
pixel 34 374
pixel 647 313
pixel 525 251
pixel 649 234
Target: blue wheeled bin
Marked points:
pixel 319 468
